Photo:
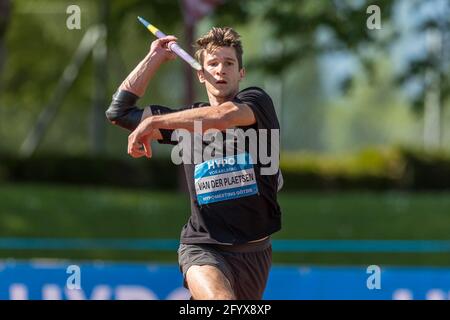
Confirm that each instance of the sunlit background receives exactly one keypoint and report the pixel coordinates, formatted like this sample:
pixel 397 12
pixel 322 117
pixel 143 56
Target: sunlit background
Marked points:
pixel 361 89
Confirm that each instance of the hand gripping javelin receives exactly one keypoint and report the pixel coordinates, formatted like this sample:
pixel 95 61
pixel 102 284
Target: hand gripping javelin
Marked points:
pixel 172 46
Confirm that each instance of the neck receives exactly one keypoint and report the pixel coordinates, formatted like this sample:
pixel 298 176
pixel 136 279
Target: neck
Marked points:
pixel 216 101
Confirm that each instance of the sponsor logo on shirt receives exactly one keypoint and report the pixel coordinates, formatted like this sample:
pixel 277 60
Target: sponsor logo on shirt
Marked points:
pixel 225 179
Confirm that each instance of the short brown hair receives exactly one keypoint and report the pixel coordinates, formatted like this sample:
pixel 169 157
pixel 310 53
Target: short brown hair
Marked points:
pixel 219 37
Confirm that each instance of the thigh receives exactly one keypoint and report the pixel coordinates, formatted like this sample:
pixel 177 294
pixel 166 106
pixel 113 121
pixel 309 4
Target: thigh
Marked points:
pixel 206 273
pixel 208 282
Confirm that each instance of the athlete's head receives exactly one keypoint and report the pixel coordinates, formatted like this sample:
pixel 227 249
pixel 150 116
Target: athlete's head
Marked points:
pixel 220 54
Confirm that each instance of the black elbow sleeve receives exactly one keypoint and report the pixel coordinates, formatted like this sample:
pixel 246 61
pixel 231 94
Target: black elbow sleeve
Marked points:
pixel 123 111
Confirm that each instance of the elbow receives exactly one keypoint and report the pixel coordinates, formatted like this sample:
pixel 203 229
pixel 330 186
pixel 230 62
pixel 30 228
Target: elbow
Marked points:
pixel 123 116
pixel 122 110
pixel 116 111
pixel 111 115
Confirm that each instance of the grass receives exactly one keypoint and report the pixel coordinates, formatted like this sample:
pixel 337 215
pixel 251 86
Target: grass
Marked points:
pixel 28 210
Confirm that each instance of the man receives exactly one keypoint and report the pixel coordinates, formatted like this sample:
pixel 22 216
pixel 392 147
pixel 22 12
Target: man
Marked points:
pixel 225 250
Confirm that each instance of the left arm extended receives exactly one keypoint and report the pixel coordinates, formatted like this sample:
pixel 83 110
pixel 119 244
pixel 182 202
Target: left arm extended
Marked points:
pixel 222 117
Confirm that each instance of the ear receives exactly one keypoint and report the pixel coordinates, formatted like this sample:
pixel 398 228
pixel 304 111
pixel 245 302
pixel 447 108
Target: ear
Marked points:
pixel 242 73
pixel 201 76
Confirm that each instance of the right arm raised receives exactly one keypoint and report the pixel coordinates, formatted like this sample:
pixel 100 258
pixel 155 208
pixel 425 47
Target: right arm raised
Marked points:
pixel 123 110
pixel 138 79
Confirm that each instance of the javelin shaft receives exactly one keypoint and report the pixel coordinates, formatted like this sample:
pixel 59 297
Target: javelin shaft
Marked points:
pixel 173 46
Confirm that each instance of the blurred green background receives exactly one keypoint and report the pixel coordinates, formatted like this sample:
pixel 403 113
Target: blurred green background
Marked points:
pixel 364 115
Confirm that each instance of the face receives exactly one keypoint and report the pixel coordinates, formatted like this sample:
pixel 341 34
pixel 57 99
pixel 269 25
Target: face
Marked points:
pixel 221 74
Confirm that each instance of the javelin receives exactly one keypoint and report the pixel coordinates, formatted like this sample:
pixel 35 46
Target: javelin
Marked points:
pixel 173 46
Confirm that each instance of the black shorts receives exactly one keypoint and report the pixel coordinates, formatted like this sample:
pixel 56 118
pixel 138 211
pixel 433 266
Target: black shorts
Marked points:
pixel 246 266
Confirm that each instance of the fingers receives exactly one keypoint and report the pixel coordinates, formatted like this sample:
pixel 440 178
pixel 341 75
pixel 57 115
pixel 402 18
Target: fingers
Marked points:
pixel 139 147
pixel 168 39
pixel 134 147
pixel 136 150
pixel 165 43
pixel 172 54
pixel 147 148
